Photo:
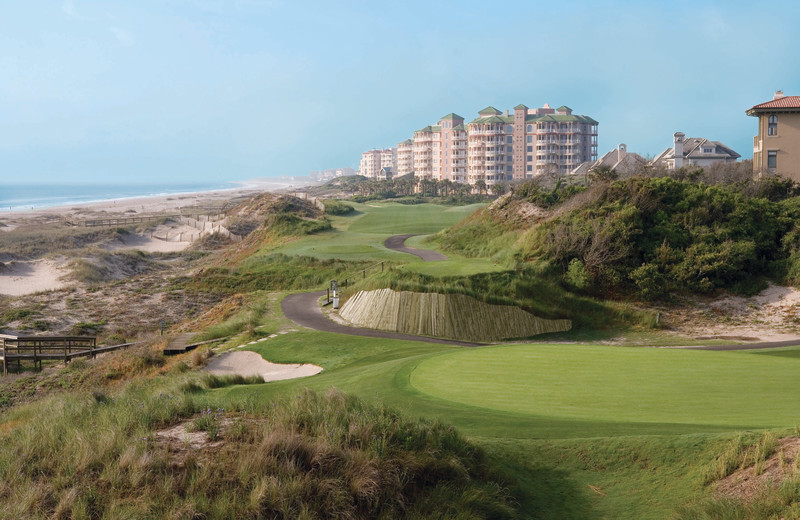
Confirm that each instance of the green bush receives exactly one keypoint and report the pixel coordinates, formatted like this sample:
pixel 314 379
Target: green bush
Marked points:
pixel 335 207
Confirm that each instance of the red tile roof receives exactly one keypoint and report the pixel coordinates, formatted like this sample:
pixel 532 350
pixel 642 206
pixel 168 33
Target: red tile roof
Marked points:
pixel 784 102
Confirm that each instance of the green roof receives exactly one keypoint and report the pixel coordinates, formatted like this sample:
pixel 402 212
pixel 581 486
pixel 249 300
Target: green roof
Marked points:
pixel 459 127
pixel 564 107
pixel 426 129
pixel 452 116
pixel 408 141
pixel 489 111
pixel 561 118
pixel 493 119
pixel 520 107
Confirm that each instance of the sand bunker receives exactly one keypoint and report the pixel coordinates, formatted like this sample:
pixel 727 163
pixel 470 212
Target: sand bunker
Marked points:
pixel 245 363
pixel 20 278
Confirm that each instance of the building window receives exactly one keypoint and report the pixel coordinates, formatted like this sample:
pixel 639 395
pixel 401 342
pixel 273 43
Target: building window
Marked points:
pixel 529 168
pixel 530 148
pixel 509 149
pixel 772 128
pixel 772 159
pixel 708 150
pixel 529 139
pixel 529 158
pixel 529 128
pixel 509 139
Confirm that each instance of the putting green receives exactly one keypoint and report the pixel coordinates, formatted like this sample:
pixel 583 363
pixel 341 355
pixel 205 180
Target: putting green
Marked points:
pixel 594 383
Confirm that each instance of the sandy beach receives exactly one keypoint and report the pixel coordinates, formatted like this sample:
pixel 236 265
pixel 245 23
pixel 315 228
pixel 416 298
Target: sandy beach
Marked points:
pixel 22 276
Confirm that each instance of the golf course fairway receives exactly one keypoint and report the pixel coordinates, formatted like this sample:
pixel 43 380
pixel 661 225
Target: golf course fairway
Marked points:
pixel 635 385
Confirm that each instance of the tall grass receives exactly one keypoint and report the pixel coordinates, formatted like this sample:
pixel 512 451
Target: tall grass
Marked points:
pixel 311 456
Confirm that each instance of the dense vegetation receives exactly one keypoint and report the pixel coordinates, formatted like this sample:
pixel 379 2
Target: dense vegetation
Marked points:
pixel 651 236
pixel 309 457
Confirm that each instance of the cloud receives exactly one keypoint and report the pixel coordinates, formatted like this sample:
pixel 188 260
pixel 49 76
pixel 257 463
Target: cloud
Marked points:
pixel 123 36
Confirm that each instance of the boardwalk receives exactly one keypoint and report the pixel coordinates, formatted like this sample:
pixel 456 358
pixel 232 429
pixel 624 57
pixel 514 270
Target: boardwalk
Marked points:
pixel 44 348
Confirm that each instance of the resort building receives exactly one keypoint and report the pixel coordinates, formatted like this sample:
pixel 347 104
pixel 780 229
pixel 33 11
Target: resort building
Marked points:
pixel 405 157
pixel 624 163
pixel 373 160
pixel 776 148
pixel 529 143
pixel 693 151
pixel 495 147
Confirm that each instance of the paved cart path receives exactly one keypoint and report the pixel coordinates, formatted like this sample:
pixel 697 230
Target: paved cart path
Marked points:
pixel 398 243
pixel 304 309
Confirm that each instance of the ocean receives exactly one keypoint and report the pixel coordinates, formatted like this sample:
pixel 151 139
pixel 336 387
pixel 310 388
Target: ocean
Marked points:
pixel 20 196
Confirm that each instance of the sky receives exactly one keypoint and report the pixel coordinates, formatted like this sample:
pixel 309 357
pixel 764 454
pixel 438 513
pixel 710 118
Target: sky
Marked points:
pixel 183 90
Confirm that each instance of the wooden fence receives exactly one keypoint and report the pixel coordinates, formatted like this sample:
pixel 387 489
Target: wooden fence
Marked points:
pixel 41 348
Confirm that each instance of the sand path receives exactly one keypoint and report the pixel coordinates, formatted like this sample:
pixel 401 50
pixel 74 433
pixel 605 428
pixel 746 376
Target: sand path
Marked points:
pixel 246 363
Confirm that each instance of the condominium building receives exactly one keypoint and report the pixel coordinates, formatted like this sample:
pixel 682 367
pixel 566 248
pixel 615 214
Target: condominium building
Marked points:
pixel 776 148
pixel 495 146
pixel 405 157
pixel 373 160
pixel 529 143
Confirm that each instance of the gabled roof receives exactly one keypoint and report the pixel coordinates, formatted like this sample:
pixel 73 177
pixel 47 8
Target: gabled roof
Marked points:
pixel 489 111
pixel 451 116
pixel 560 118
pixel 520 107
pixel 786 103
pixel 492 119
pixel 430 128
pixel 459 127
pixel 693 149
pixel 564 107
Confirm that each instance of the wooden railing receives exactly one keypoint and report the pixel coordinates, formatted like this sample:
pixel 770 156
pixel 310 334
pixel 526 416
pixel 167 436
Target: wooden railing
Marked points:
pixel 40 348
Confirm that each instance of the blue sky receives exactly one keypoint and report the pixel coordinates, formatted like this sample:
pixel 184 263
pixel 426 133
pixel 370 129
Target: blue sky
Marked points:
pixel 236 89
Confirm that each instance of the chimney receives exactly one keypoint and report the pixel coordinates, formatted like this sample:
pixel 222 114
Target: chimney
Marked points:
pixel 622 150
pixel 778 95
pixel 506 113
pixel 677 151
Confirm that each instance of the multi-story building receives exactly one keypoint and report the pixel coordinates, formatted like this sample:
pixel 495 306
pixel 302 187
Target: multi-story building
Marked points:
pixel 529 143
pixel 373 160
pixel 405 157
pixel 497 147
pixel 776 148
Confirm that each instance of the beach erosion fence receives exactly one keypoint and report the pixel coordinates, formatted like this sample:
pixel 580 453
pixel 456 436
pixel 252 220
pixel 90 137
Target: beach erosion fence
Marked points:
pixel 454 316
pixel 316 201
pixel 204 224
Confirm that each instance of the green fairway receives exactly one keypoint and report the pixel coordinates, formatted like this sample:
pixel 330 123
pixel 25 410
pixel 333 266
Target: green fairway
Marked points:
pixel 360 236
pixel 631 385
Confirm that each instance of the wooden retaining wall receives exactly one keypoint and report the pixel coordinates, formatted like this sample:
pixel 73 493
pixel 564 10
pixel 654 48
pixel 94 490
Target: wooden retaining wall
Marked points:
pixel 454 316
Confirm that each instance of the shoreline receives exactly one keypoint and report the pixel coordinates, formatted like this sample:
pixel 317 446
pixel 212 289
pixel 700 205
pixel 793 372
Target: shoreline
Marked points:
pixel 149 203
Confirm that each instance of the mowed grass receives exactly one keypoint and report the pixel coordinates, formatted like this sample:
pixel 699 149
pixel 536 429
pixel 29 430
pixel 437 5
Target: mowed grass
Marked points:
pixel 626 433
pixel 360 236
pixel 737 390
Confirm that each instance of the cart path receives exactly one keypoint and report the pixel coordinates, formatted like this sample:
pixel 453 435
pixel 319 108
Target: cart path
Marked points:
pixel 304 309
pixel 398 243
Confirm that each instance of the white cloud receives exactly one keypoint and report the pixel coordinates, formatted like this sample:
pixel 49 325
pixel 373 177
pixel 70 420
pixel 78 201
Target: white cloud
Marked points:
pixel 123 36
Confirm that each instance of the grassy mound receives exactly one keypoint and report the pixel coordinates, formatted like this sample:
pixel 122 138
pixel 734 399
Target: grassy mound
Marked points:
pixel 144 454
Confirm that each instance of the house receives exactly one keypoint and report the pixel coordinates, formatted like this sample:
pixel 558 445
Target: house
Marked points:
pixel 776 148
pixel 625 163
pixel 384 174
pixel 693 151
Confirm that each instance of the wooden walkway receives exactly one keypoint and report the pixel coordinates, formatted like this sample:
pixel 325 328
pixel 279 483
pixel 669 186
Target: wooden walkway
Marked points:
pixel 183 343
pixel 43 348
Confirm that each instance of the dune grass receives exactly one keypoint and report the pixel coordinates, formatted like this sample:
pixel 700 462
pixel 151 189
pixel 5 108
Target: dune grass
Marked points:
pixel 306 456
